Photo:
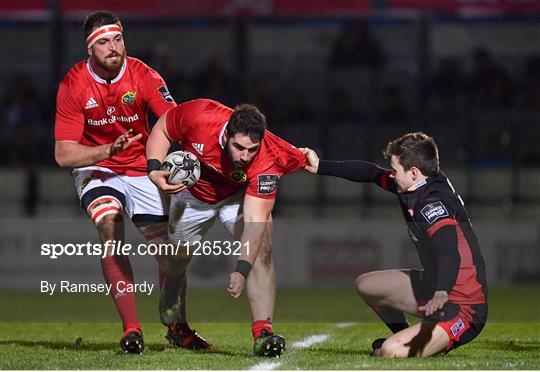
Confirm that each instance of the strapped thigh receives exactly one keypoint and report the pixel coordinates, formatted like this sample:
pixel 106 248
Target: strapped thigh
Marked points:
pixel 102 201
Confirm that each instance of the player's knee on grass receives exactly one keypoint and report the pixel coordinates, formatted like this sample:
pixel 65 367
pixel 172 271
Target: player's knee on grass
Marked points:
pixel 422 340
pixel 397 347
pixel 391 348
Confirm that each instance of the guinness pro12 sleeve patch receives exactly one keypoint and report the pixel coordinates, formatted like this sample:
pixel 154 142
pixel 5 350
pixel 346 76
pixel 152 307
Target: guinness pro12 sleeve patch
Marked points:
pixel 433 211
pixel 165 94
pixel 267 183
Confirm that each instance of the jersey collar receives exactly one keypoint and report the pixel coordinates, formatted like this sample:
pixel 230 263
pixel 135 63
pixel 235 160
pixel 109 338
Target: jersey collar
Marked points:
pixel 103 81
pixel 221 133
pixel 417 185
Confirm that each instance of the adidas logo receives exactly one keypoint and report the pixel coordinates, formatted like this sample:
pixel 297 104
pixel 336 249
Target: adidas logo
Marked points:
pixel 91 103
pixel 198 147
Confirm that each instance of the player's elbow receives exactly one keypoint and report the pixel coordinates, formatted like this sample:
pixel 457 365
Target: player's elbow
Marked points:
pixel 62 159
pixel 62 155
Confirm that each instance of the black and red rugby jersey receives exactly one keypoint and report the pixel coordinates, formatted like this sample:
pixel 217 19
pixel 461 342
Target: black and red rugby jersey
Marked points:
pixel 438 225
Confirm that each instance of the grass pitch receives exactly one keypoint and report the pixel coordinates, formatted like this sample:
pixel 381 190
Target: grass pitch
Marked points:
pixel 510 340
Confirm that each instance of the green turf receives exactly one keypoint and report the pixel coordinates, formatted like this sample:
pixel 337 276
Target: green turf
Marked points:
pixel 511 339
pixel 52 346
pixel 514 304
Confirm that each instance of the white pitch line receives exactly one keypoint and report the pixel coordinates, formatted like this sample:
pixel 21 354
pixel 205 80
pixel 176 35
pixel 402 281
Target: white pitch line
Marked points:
pixel 308 341
pixel 345 324
pixel 264 366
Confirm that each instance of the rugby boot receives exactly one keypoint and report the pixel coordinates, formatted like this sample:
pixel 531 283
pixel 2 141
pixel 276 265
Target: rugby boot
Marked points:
pixel 132 342
pixel 181 336
pixel 269 345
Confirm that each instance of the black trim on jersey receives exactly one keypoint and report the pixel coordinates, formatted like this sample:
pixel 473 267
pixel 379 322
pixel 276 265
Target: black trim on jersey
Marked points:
pixel 438 254
pixel 141 220
pixel 445 243
pixel 100 191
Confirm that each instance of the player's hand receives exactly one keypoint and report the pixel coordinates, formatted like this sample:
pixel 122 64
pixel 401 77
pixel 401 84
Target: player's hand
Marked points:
pixel 436 303
pixel 236 284
pixel 123 141
pixel 159 178
pixel 312 159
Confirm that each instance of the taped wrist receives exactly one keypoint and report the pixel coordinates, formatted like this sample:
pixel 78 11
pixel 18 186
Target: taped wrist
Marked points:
pixel 243 267
pixel 152 165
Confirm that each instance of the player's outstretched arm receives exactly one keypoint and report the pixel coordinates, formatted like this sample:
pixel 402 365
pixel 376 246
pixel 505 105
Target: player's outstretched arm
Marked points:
pixel 157 146
pixel 73 154
pixel 257 212
pixel 354 170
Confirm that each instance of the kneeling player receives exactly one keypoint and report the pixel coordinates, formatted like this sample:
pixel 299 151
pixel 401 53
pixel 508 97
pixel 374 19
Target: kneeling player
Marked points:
pixel 450 293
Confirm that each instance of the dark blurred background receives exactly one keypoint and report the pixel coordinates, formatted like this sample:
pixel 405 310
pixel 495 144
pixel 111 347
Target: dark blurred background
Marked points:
pixel 343 77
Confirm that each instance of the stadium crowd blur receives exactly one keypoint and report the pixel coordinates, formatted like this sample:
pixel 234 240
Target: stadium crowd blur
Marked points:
pixel 357 93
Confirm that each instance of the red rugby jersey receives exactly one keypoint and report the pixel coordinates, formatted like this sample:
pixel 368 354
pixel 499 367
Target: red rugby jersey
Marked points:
pixel 199 125
pixel 92 111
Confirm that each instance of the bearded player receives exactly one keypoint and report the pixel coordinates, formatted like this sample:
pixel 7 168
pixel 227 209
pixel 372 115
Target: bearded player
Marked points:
pixel 101 130
pixel 241 164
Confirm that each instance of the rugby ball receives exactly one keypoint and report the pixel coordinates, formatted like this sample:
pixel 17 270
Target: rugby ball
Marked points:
pixel 185 168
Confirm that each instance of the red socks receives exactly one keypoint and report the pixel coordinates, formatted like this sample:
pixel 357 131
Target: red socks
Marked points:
pixel 115 270
pixel 180 329
pixel 258 326
pixel 176 285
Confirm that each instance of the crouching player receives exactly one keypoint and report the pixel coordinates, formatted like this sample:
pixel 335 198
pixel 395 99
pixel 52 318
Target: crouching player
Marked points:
pixel 450 292
pixel 241 164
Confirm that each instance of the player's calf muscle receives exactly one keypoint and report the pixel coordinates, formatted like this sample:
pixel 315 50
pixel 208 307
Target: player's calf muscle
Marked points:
pixel 176 263
pixel 172 267
pixel 111 227
pixel 265 254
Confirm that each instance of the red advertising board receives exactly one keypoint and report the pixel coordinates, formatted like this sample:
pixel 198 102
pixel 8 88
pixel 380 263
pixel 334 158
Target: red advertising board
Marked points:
pixel 278 8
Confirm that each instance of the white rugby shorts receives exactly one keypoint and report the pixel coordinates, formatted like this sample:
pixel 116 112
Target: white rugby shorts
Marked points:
pixel 137 194
pixel 190 219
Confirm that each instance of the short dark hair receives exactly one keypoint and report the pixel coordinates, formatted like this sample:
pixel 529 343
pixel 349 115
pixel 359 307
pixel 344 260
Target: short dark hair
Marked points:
pixel 249 120
pixel 97 19
pixel 415 150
